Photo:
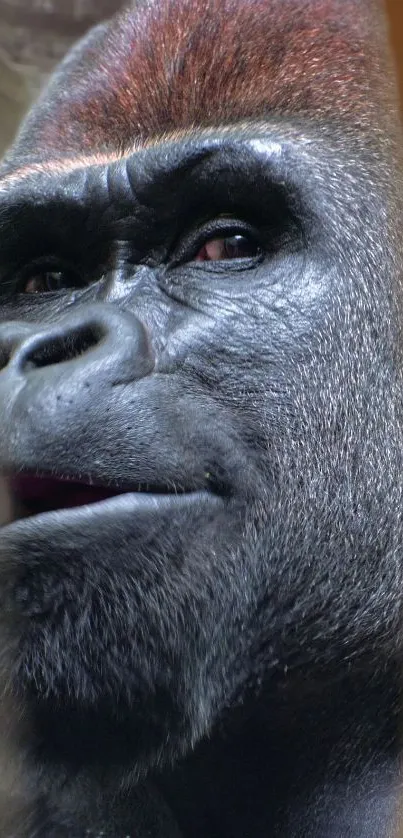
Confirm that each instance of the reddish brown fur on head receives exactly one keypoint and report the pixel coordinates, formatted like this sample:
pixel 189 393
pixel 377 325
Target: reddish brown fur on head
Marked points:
pixel 166 65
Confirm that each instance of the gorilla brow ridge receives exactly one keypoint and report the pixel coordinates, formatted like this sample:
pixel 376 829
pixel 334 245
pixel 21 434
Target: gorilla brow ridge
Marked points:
pixel 67 165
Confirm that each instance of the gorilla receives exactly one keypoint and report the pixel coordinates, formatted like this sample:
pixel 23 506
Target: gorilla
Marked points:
pixel 201 408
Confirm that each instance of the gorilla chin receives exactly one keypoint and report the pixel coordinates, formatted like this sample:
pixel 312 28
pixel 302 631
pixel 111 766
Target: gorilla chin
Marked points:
pixel 103 595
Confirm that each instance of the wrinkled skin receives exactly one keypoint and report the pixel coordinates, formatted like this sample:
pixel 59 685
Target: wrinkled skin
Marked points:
pixel 202 443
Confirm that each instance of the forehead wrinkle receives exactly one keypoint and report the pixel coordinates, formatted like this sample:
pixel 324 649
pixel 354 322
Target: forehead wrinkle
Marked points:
pixel 54 167
pixel 60 165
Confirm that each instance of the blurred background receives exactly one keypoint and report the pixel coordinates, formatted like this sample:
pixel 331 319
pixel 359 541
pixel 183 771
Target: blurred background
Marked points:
pixel 35 34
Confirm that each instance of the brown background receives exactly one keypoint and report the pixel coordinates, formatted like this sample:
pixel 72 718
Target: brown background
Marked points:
pixel 395 8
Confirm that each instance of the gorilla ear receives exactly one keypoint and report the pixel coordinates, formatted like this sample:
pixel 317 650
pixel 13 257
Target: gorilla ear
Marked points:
pixel 167 65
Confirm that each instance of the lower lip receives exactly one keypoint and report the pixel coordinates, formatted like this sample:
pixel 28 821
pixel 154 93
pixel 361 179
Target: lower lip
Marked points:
pixel 132 510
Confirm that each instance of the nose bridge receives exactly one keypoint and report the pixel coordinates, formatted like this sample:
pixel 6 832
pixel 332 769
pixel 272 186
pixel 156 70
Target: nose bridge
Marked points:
pixel 97 335
pixel 128 285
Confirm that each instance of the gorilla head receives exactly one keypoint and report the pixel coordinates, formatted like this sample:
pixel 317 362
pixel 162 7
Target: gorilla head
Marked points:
pixel 200 403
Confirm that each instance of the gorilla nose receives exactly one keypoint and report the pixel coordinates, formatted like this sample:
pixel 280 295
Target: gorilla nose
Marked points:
pixel 97 335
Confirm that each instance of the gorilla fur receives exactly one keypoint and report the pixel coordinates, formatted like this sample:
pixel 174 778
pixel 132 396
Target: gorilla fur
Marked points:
pixel 201 404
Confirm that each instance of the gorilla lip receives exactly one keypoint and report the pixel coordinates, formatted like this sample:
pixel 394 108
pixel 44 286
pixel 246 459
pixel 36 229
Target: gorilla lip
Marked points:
pixel 36 494
pixel 51 506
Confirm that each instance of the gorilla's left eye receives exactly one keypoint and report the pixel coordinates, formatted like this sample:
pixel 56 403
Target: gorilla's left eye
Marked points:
pixel 228 247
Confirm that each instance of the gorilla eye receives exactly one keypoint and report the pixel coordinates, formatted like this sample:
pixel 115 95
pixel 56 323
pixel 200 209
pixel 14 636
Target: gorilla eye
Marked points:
pixel 47 280
pixel 228 247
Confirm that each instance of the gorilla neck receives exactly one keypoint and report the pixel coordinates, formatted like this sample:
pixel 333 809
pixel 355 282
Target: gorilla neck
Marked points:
pixel 303 758
pixel 308 768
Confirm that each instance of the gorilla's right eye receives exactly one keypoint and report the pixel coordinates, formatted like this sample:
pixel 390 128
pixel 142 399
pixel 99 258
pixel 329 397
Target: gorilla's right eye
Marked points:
pixel 222 239
pixel 42 279
pixel 238 246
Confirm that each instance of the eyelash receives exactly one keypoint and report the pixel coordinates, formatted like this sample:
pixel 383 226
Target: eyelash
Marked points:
pixel 190 244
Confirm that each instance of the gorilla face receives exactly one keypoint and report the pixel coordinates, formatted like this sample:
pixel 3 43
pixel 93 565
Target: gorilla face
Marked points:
pixel 200 412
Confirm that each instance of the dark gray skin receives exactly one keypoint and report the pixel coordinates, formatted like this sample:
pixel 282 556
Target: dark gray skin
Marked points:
pixel 220 625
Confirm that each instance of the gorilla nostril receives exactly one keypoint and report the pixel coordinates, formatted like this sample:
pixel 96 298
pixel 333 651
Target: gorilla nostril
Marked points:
pixel 44 350
pixel 5 354
pixel 94 338
pixel 12 335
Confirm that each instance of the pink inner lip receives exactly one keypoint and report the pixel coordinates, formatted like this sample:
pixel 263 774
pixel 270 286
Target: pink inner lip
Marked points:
pixel 47 493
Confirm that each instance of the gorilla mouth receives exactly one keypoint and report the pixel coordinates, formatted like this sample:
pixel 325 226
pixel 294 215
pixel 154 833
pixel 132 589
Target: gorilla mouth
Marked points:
pixel 76 503
pixel 56 507
pixel 33 495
